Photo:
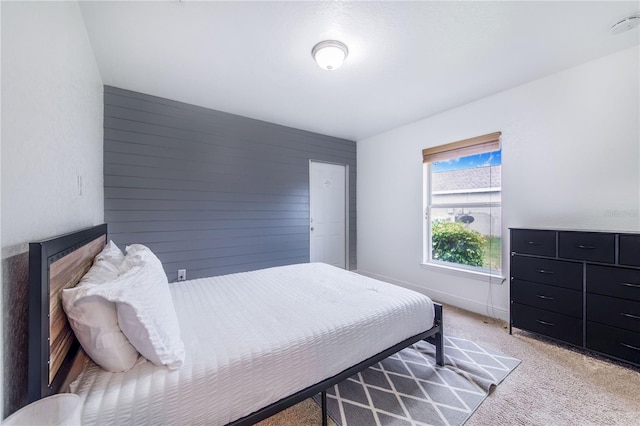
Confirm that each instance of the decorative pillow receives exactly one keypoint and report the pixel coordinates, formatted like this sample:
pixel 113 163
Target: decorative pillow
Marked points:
pixel 145 308
pixel 94 320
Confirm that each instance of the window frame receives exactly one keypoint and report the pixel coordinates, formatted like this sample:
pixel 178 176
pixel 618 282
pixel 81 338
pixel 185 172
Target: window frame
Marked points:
pixel 482 144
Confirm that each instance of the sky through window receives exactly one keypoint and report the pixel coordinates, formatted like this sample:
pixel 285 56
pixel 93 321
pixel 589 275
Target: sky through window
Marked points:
pixel 478 160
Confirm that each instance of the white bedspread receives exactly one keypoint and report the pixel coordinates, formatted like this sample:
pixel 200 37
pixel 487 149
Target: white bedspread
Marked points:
pixel 253 338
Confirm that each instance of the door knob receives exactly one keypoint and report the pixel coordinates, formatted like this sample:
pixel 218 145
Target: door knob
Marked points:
pixel 312 228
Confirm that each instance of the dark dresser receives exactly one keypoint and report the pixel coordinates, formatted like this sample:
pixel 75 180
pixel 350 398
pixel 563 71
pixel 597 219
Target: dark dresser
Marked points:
pixel 579 287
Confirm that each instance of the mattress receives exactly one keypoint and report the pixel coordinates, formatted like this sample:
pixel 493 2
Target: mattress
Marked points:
pixel 253 338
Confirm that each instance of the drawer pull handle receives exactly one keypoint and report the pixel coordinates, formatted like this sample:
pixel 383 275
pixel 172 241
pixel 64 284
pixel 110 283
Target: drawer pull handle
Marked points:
pixel 545 323
pixel 586 247
pixel 534 243
pixel 630 315
pixel 545 297
pixel 631 285
pixel 630 346
pixel 542 271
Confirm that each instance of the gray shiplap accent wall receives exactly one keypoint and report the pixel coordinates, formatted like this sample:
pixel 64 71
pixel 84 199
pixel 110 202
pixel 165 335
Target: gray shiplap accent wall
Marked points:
pixel 208 191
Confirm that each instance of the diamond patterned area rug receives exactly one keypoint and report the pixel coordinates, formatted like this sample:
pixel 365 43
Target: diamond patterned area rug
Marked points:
pixel 409 389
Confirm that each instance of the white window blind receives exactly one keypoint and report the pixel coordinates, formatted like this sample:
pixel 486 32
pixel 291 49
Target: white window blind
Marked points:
pixel 463 148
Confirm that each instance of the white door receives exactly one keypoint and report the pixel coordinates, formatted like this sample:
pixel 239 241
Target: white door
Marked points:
pixel 328 213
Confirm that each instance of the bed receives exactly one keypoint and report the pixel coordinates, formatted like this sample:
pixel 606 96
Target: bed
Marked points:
pixel 255 342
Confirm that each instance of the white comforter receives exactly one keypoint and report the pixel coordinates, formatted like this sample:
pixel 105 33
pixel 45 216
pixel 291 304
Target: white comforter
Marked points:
pixel 253 338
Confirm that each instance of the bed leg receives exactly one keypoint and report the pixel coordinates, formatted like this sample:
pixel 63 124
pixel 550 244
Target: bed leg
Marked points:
pixel 439 349
pixel 439 337
pixel 323 398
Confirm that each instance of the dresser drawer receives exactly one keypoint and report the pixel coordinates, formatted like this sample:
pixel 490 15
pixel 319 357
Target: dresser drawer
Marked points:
pixel 530 241
pixel 629 250
pixel 550 324
pixel 547 297
pixel 613 311
pixel 592 246
pixel 547 271
pixel 618 282
pixel 613 341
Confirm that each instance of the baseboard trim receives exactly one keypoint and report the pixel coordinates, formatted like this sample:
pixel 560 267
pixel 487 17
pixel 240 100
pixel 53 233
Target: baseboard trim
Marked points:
pixel 448 298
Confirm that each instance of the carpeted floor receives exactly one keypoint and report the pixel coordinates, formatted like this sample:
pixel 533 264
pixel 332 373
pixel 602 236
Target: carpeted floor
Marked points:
pixel 554 384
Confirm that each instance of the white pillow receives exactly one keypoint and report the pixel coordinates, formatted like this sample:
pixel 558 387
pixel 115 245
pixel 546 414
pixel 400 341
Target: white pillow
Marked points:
pixel 100 273
pixel 111 253
pixel 95 323
pixel 145 308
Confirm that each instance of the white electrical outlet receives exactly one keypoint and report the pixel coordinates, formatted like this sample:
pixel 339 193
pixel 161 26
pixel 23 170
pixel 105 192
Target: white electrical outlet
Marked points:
pixel 182 274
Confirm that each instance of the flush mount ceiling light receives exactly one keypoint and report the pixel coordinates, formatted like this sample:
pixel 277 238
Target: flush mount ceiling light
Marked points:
pixel 329 54
pixel 625 24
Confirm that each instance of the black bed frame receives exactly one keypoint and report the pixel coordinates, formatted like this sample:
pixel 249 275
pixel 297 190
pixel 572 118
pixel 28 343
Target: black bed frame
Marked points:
pixel 434 335
pixel 42 254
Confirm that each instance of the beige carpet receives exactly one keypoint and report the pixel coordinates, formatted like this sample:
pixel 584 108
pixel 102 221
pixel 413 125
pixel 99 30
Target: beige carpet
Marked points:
pixel 554 385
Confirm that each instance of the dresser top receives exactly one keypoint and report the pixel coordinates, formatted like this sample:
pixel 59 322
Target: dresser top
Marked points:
pixel 599 231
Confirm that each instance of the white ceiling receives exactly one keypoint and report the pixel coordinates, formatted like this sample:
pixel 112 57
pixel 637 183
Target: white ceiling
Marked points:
pixel 407 60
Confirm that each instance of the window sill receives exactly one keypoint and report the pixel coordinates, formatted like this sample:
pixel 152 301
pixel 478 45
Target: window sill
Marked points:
pixel 477 275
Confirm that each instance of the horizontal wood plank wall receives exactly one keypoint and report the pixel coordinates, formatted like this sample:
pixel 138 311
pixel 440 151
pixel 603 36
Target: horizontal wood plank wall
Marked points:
pixel 211 192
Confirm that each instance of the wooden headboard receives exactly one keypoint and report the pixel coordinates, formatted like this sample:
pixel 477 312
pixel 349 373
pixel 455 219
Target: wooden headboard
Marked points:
pixel 54 265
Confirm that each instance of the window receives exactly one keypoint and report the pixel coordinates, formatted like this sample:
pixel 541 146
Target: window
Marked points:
pixel 463 194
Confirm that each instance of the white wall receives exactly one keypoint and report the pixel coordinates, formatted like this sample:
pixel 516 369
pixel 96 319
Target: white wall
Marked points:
pixel 1 298
pixel 52 120
pixel 52 123
pixel 570 159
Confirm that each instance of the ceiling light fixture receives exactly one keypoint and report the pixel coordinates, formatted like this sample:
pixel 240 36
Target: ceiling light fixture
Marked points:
pixel 329 54
pixel 625 24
